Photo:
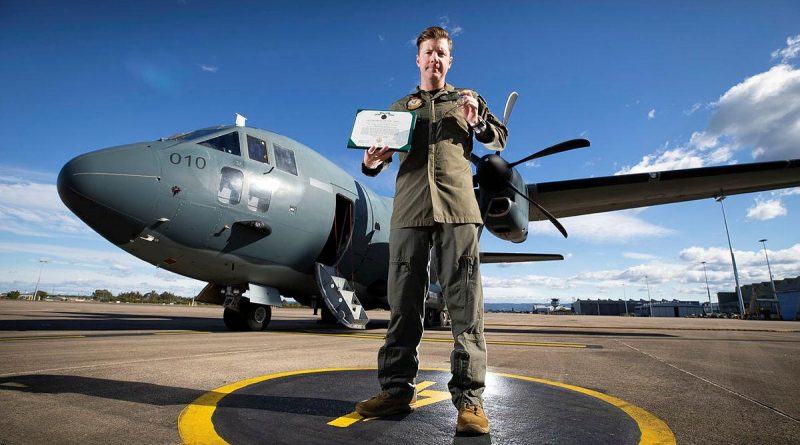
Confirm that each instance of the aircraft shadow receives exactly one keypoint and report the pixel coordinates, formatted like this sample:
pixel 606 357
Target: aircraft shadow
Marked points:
pixel 77 321
pixel 160 395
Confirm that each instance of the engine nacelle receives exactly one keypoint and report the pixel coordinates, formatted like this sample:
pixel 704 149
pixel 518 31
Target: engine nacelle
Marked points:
pixel 507 220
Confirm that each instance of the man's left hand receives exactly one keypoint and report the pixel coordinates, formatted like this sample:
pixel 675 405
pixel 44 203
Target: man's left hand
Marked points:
pixel 470 106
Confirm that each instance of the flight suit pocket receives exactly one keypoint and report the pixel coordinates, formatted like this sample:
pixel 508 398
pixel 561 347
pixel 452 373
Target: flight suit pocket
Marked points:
pixel 459 367
pixel 455 127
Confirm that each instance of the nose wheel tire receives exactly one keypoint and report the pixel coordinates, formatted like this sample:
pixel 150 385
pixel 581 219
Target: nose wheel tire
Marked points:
pixel 257 317
pixel 250 317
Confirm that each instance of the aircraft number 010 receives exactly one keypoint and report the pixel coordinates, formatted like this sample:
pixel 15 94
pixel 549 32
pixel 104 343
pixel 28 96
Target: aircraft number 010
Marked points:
pixel 177 159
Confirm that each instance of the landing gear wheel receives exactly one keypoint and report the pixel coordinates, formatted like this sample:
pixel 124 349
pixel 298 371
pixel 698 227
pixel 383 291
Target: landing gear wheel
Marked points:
pixel 234 320
pixel 429 320
pixel 257 317
pixel 444 319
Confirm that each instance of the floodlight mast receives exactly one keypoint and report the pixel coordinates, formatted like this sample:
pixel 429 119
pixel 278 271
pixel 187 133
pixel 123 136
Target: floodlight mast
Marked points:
pixel 36 289
pixel 719 199
pixel 710 307
pixel 769 269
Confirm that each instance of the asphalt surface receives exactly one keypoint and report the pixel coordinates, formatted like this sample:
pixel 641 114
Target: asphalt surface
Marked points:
pixel 117 373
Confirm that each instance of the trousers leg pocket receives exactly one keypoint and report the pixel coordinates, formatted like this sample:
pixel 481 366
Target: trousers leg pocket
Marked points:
pixel 459 366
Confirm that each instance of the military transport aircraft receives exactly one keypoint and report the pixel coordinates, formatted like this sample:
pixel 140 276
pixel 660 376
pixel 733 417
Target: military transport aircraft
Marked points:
pixel 258 215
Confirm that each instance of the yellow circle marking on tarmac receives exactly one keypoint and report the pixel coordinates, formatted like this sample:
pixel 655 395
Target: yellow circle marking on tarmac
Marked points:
pixel 654 430
pixel 196 427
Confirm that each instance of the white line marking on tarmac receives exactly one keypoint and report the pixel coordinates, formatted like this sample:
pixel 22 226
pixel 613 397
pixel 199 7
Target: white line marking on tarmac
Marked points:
pixel 750 399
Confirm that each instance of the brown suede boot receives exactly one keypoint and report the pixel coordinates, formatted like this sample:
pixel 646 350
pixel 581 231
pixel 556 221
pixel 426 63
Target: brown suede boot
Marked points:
pixel 472 419
pixel 385 404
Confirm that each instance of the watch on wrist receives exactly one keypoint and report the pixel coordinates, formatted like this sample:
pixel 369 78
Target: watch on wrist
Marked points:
pixel 479 127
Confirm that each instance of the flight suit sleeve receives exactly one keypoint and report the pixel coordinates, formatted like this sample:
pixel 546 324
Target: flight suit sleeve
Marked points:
pixel 495 135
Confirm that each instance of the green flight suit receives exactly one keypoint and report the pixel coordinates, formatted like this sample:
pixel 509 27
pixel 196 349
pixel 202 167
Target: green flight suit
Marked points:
pixel 435 207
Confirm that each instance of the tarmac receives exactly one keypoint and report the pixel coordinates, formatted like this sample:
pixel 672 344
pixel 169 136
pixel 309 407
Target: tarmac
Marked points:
pixel 95 373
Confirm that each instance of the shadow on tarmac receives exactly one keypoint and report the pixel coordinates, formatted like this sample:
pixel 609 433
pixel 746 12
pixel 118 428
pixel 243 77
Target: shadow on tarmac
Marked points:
pixel 137 392
pixel 77 321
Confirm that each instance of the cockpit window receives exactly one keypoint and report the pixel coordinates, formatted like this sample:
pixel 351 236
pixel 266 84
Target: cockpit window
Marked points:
pixel 284 159
pixel 228 143
pixel 230 186
pixel 260 195
pixel 197 134
pixel 257 149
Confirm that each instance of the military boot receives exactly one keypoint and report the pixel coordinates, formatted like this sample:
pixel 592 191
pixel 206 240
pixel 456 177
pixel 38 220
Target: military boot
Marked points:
pixel 385 404
pixel 472 419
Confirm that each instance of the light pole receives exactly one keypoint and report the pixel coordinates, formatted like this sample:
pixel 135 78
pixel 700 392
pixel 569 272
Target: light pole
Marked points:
pixel 710 307
pixel 719 199
pixel 769 269
pixel 36 289
pixel 625 298
pixel 647 283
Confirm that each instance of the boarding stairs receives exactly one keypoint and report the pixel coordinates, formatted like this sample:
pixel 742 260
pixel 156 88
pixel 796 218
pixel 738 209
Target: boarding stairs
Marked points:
pixel 340 298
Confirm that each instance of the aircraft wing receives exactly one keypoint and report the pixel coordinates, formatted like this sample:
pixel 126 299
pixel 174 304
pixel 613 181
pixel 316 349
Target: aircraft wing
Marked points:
pixel 604 194
pixel 492 257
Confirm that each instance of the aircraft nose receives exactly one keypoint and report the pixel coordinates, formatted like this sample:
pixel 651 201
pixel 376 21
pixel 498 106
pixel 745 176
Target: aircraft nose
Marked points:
pixel 112 190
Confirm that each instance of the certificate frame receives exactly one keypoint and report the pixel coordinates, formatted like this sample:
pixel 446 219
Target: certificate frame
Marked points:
pixel 381 128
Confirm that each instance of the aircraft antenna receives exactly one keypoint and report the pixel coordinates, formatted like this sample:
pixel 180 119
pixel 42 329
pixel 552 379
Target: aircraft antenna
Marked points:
pixel 240 120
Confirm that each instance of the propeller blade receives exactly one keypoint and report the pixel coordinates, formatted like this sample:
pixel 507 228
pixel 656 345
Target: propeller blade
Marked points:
pixel 475 159
pixel 512 99
pixel 541 209
pixel 484 214
pixel 558 148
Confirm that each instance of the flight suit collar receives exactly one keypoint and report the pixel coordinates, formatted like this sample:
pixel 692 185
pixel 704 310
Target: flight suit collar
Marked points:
pixel 447 89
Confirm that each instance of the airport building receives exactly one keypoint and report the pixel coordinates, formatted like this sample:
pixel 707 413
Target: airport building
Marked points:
pixel 675 308
pixel 759 299
pixel 641 308
pixel 605 307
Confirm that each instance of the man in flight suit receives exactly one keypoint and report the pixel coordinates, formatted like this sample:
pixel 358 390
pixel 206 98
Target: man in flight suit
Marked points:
pixel 435 206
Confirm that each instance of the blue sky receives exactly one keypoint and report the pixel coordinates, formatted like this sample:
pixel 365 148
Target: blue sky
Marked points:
pixel 654 86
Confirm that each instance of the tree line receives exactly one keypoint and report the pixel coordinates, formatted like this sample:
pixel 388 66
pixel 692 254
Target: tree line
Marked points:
pixel 104 295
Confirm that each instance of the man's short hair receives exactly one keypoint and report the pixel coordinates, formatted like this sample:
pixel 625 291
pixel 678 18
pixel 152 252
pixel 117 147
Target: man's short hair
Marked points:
pixel 435 33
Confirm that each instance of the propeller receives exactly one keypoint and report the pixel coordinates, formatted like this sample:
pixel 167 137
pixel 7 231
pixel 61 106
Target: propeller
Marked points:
pixel 494 173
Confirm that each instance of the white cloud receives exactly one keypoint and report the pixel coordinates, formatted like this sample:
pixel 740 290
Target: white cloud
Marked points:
pixel 676 158
pixel 751 264
pixel 209 68
pixel 766 209
pixel 791 51
pixel 681 278
pixel 95 269
pixel 613 227
pixel 693 109
pixel 786 192
pixel 761 114
pixel 639 256
pixel 454 30
pixel 34 209
pixel 651 114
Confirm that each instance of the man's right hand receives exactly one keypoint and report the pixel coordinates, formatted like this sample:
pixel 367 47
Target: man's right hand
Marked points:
pixel 373 157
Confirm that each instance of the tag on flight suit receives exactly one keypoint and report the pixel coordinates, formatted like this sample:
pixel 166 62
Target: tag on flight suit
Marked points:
pixel 413 103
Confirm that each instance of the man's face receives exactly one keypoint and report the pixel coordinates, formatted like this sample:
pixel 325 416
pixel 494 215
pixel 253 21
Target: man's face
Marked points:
pixel 434 60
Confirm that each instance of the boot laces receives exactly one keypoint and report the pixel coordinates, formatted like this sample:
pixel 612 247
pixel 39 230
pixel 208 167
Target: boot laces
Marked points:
pixel 471 407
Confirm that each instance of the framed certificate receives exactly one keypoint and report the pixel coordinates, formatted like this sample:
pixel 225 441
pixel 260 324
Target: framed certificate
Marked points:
pixel 383 128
